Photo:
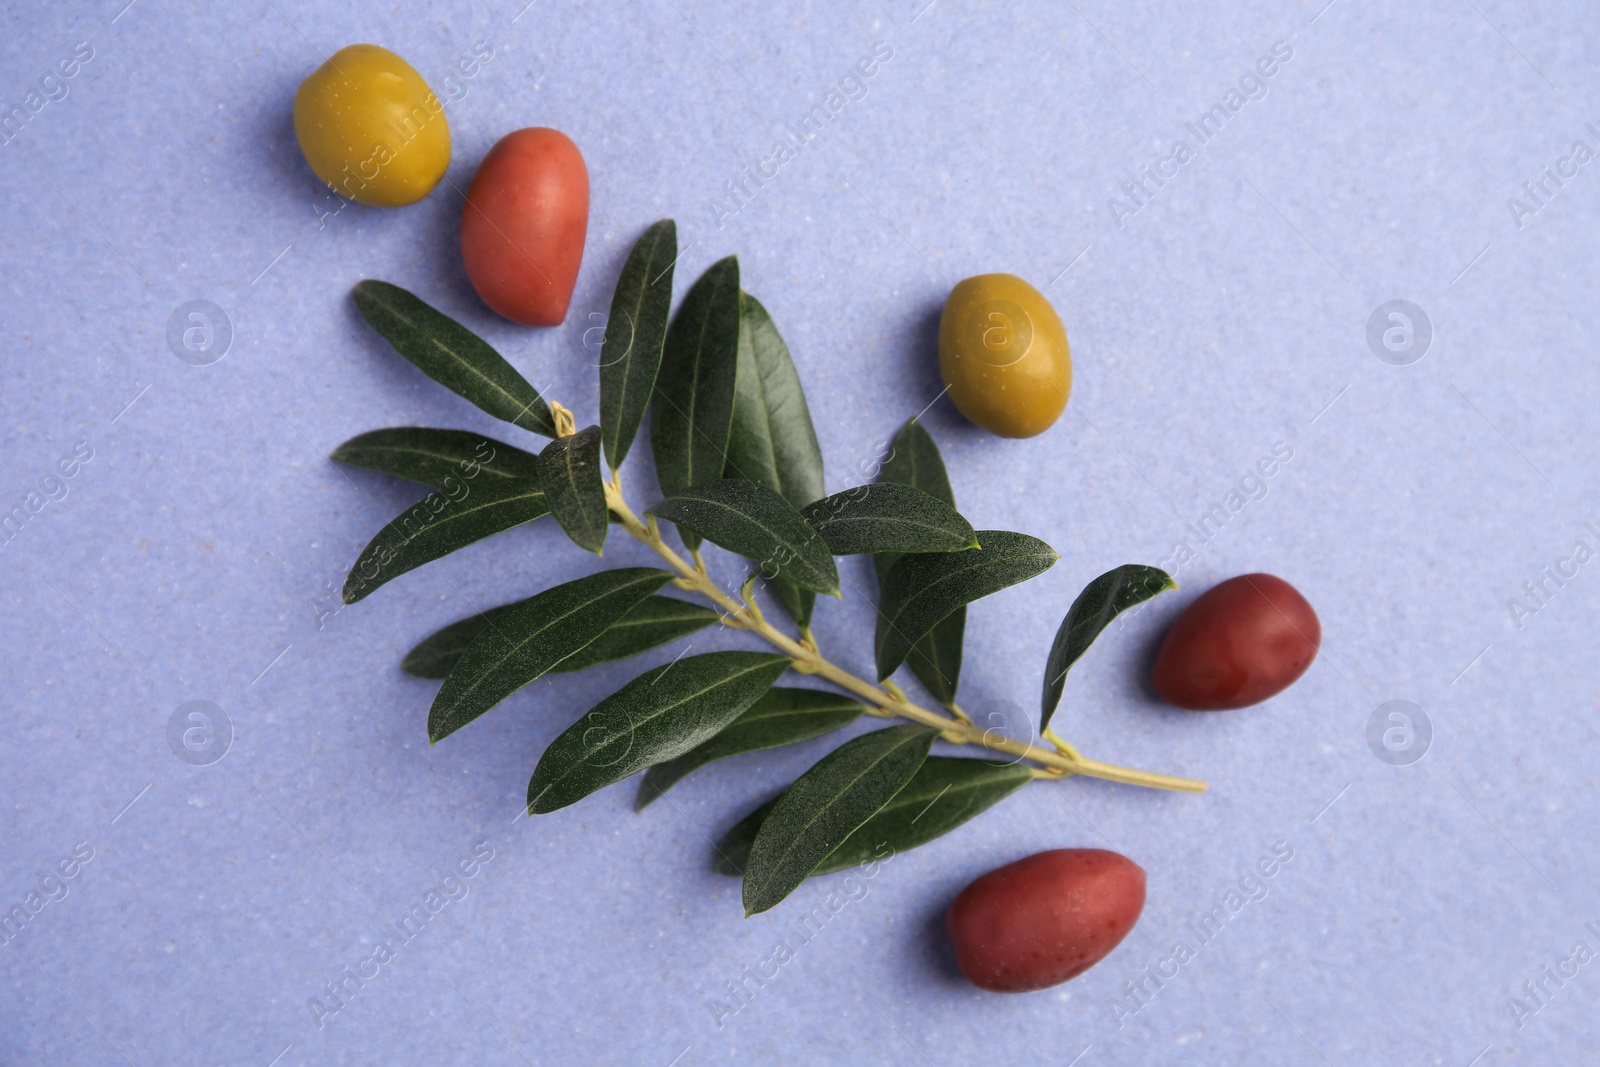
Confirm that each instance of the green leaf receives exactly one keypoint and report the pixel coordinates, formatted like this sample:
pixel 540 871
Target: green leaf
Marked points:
pixel 658 716
pixel 752 520
pixel 452 355
pixel 529 638
pixel 439 524
pixel 935 659
pixel 569 467
pixel 733 851
pixel 797 603
pixel 1102 600
pixel 693 404
pixel 913 460
pixel 782 717
pixel 826 805
pixel 920 590
pixel 636 329
pixel 771 438
pixel 888 517
pixel 944 793
pixel 438 459
pixel 654 621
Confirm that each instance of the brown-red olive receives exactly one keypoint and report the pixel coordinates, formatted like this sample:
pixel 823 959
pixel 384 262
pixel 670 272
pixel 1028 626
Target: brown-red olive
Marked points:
pixel 1039 921
pixel 1245 640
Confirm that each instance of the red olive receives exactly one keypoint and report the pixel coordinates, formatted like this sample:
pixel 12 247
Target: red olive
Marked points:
pixel 523 225
pixel 1243 641
pixel 1039 921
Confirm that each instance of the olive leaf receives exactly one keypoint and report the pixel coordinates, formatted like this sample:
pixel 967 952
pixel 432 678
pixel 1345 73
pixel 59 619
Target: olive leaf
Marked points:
pixel 452 355
pixel 531 637
pixel 748 518
pixel 658 716
pixel 782 717
pixel 1102 600
pixel 935 659
pixel 888 517
pixel 635 332
pixel 439 524
pixel 945 792
pixel 438 459
pixel 693 405
pixel 913 460
pixel 653 622
pixel 919 590
pixel 569 467
pixel 771 439
pixel 656 621
pixel 825 805
pixel 796 602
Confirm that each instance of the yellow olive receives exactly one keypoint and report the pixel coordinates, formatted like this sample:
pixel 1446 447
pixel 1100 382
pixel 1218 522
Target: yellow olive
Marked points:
pixel 1003 353
pixel 370 127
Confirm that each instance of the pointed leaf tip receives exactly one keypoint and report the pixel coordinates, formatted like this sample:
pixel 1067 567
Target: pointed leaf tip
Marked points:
pixel 452 355
pixel 1101 601
pixel 630 355
pixel 920 590
pixel 530 638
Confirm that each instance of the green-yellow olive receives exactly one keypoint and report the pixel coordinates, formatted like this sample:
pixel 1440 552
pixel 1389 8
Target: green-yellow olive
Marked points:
pixel 370 127
pixel 1003 353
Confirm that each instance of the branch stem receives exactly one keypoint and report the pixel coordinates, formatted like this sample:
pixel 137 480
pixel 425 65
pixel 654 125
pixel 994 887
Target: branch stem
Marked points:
pixel 888 700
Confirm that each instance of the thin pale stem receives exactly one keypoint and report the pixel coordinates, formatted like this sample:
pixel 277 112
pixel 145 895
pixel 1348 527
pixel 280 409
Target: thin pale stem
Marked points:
pixel 886 700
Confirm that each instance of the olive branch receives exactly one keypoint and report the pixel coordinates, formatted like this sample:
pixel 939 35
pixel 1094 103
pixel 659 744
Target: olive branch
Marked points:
pixel 739 465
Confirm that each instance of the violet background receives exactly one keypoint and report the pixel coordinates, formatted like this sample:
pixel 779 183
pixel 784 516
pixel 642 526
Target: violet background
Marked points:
pixel 194 557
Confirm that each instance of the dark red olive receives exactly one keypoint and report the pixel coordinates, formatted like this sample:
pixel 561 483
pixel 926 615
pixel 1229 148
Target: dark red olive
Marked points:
pixel 1243 641
pixel 1039 921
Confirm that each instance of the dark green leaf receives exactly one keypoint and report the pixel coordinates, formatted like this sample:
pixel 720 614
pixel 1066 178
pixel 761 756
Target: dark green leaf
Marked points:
pixel 913 460
pixel 653 622
pixel 452 355
pixel 658 716
pixel 922 589
pixel 733 851
pixel 936 657
pixel 435 655
pixel 438 459
pixel 569 467
pixel 771 439
pixel 888 517
pixel 529 638
pixel 782 717
pixel 945 793
pixel 693 404
pixel 439 524
pixel 796 602
pixel 636 329
pixel 752 520
pixel 1102 600
pixel 825 805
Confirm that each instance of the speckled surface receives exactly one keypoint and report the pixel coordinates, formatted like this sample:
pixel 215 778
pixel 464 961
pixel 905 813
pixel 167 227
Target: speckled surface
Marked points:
pixel 1215 318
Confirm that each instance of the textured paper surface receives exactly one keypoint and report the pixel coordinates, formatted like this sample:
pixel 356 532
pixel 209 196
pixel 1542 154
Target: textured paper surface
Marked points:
pixel 1214 318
